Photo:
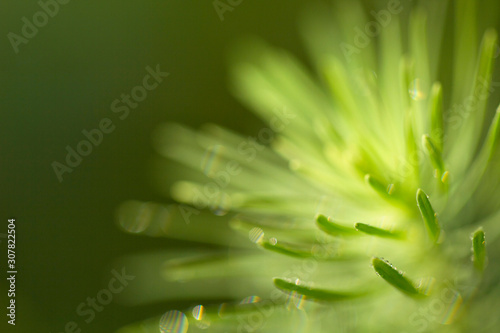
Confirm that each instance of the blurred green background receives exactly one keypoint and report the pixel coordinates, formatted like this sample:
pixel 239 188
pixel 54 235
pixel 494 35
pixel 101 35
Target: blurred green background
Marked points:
pixel 62 82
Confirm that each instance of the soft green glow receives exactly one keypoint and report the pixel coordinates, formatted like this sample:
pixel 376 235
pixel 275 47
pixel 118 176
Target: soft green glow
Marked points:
pixel 354 141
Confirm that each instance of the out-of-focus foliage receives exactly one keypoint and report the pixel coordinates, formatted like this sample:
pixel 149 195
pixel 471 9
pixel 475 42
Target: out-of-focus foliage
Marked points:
pixel 386 148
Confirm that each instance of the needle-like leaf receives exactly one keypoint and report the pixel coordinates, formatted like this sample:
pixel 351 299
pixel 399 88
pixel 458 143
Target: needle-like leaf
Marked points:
pixel 479 249
pixel 482 161
pixel 394 277
pixel 333 228
pixel 314 293
pixel 428 215
pixel 493 137
pixel 374 231
pixel 381 188
pixel 436 107
pixel 473 120
pixel 435 156
pixel 286 249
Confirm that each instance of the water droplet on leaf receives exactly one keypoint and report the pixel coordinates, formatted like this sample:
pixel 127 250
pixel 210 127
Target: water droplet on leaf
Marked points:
pixel 174 322
pixel 198 312
pixel 255 235
pixel 415 90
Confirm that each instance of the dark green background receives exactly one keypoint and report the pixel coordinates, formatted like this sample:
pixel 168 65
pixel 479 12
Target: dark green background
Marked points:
pixel 63 81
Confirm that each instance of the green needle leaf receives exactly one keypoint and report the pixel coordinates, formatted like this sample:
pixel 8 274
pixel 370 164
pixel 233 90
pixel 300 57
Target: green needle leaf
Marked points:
pixel 481 91
pixel 313 293
pixel 479 249
pixel 436 107
pixel 482 161
pixel 374 231
pixel 435 156
pixel 394 277
pixel 332 228
pixel 493 135
pixel 406 75
pixel 411 144
pixel 428 215
pixel 289 250
pixel 381 188
pixel 302 252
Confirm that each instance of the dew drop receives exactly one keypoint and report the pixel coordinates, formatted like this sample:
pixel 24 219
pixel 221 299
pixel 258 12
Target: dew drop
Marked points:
pixel 415 90
pixel 445 176
pixel 426 285
pixel 134 216
pixel 390 189
pixel 299 301
pixel 255 235
pixel 453 309
pixel 273 241
pixel 250 300
pixel 211 160
pixel 174 322
pixel 221 205
pixel 198 312
pixel 222 309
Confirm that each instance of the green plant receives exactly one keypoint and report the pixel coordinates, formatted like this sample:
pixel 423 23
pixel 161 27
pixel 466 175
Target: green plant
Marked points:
pixel 386 155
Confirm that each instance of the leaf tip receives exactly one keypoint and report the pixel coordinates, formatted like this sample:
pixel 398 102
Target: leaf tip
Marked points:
pixel 479 249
